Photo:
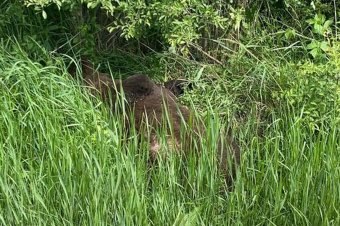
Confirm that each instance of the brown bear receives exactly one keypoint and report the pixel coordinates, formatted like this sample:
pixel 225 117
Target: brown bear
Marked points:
pixel 147 101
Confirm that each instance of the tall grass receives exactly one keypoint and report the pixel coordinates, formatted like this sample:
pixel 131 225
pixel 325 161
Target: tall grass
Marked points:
pixel 65 160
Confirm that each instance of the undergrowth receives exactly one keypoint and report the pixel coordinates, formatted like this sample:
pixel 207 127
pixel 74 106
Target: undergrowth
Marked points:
pixel 65 159
pixel 266 70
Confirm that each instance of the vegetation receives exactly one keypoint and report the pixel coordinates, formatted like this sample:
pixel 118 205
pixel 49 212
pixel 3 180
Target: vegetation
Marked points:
pixel 269 70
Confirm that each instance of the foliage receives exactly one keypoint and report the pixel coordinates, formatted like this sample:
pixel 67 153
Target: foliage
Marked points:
pixel 267 69
pixel 176 25
pixel 314 89
pixel 65 161
pixel 179 22
pixel 321 28
pixel 314 84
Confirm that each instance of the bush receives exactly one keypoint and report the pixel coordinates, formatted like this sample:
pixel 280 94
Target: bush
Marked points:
pixel 313 87
pixel 178 22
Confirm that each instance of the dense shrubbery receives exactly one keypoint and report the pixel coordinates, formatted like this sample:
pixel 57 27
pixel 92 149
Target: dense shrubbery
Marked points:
pixel 177 23
pixel 311 88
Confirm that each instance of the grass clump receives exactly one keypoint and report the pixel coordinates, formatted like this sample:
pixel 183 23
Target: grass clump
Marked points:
pixel 52 134
pixel 65 160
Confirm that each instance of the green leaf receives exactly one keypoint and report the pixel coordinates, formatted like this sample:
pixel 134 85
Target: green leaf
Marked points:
pixel 318 29
pixel 320 18
pixel 310 21
pixel 327 24
pixel 44 14
pixel 314 52
pixel 199 73
pixel 290 33
pixel 324 46
pixel 314 44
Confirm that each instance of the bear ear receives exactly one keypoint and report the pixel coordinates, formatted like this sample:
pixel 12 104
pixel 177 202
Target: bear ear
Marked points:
pixel 177 86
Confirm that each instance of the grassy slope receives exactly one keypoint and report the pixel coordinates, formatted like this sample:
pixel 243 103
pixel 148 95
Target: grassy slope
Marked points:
pixel 63 161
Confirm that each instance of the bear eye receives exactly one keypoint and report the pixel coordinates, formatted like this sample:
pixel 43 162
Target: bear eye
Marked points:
pixel 143 89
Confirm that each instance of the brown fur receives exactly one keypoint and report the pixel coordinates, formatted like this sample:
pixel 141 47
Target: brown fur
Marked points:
pixel 147 101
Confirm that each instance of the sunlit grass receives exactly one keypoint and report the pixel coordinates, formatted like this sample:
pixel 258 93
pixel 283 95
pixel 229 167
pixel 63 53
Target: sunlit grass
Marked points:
pixel 65 160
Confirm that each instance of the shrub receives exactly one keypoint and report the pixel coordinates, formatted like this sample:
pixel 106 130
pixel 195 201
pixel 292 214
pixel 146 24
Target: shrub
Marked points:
pixel 178 22
pixel 313 87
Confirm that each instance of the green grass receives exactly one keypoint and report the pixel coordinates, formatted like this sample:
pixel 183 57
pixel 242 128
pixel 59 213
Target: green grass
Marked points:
pixel 64 160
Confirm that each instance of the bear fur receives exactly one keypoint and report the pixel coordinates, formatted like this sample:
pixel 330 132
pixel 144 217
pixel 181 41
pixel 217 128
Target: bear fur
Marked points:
pixel 147 102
